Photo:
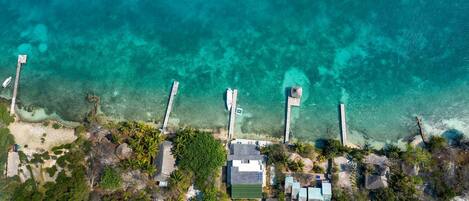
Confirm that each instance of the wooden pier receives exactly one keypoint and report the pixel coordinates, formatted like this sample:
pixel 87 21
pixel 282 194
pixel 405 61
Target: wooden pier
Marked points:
pixel 231 127
pixel 291 101
pixel 21 61
pixel 169 107
pixel 343 125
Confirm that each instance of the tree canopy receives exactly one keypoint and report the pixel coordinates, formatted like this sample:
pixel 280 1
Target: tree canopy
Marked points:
pixel 144 141
pixel 200 153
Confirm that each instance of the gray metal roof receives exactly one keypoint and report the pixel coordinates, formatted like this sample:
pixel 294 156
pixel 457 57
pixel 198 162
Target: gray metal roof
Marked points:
pixel 238 177
pixel 244 149
pixel 165 161
pixel 244 152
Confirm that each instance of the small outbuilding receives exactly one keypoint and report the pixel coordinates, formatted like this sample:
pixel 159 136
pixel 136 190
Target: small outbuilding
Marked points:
pixel 165 163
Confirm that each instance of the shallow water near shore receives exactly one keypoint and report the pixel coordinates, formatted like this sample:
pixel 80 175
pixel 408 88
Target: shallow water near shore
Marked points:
pixel 387 61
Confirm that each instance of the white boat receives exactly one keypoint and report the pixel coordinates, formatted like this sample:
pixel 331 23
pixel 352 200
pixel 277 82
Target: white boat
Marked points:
pixel 6 82
pixel 229 98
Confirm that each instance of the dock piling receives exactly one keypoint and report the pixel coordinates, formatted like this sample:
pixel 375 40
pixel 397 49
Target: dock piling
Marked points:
pixel 169 107
pixel 21 60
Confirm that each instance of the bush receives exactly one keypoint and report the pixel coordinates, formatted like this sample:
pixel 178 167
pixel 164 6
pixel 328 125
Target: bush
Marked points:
pixel 5 117
pixel 318 169
pixel 276 154
pixel 296 165
pixel 304 149
pixel 27 191
pixel 56 126
pixel 436 143
pixel 392 151
pixel 200 153
pixel 52 170
pixel 80 129
pixel 332 148
pixel 45 124
pixel 416 156
pixel 110 179
pixel 37 159
pixel 6 140
pixel 144 141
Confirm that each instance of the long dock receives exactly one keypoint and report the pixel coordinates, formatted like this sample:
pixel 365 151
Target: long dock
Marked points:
pixel 291 101
pixel 343 125
pixel 21 61
pixel 232 120
pixel 169 107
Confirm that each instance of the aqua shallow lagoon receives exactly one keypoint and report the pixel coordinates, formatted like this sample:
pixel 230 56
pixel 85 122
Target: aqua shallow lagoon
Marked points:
pixel 388 61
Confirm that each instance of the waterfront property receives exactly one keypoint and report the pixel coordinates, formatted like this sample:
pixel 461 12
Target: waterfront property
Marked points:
pixel 378 176
pixel 245 172
pixel 165 163
pixel 321 192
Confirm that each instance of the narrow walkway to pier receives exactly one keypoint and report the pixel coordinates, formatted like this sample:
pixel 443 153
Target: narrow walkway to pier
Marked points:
pixel 169 107
pixel 21 61
pixel 343 125
pixel 291 101
pixel 232 120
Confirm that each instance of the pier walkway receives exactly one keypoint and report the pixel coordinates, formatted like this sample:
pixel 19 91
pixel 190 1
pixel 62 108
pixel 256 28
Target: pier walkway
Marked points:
pixel 291 101
pixel 169 107
pixel 232 120
pixel 21 61
pixel 343 125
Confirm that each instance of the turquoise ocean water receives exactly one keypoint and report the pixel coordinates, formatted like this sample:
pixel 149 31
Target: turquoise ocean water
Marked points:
pixel 387 60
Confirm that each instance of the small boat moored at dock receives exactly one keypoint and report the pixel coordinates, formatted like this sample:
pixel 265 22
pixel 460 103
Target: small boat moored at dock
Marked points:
pixel 229 98
pixel 6 82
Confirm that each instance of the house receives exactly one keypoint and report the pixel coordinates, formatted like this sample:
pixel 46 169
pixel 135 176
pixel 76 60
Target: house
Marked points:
pixel 245 173
pixel 165 163
pixel 288 184
pixel 295 189
pixel 303 195
pixel 13 161
pixel 378 176
pixel 314 194
pixel 324 193
pixel 326 188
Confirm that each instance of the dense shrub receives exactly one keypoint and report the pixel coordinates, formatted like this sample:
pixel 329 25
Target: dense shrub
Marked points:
pixel 110 179
pixel 200 153
pixel 144 141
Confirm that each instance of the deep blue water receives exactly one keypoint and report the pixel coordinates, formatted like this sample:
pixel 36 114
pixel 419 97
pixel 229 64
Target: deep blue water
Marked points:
pixel 387 60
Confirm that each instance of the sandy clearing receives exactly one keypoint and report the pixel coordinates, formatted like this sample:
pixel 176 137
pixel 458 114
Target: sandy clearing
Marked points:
pixel 31 133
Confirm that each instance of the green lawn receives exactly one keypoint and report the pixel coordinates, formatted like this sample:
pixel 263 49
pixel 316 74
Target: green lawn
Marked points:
pixel 246 191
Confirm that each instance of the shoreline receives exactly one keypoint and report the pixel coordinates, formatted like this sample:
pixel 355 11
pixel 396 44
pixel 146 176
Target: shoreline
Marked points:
pixel 356 139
